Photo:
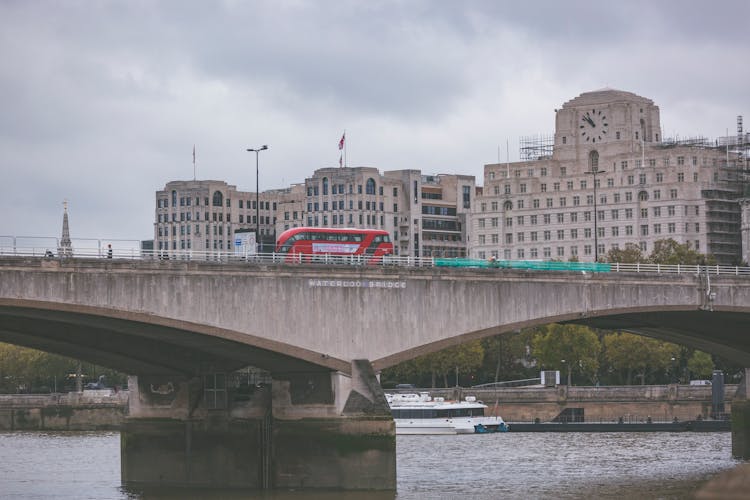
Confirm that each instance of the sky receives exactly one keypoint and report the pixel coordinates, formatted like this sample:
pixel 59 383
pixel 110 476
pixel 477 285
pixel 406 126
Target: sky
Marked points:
pixel 102 102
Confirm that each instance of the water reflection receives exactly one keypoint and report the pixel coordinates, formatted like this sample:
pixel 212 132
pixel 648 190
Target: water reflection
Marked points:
pixel 489 466
pixel 180 494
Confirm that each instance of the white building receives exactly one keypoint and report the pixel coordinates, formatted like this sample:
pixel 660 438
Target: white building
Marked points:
pixel 609 160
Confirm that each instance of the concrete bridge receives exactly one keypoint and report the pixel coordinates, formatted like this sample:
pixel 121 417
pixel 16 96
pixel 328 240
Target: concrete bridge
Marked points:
pixel 320 331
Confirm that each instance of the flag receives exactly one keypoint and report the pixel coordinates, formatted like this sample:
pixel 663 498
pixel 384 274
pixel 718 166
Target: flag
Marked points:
pixel 341 142
pixel 193 154
pixel 341 157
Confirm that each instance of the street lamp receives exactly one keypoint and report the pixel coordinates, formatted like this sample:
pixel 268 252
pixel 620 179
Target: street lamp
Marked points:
pixel 257 196
pixel 594 171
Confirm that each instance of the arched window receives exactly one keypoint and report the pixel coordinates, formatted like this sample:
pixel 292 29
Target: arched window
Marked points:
pixel 594 161
pixel 643 196
pixel 218 199
pixel 174 198
pixel 370 187
pixel 508 205
pixel 643 130
pixel 325 185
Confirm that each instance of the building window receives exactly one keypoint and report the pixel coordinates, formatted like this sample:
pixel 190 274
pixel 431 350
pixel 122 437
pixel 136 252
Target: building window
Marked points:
pixel 218 199
pixel 594 160
pixel 370 186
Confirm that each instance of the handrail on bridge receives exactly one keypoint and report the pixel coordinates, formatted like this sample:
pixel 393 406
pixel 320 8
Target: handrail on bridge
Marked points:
pixel 47 247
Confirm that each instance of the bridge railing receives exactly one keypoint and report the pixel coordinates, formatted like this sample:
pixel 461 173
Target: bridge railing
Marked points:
pixel 49 247
pixel 679 269
pixel 31 246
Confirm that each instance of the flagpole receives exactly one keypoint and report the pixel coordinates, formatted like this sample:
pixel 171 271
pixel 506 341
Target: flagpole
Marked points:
pixel 193 162
pixel 345 141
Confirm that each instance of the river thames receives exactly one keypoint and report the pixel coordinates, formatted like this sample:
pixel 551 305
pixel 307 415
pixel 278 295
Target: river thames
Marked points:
pixel 36 465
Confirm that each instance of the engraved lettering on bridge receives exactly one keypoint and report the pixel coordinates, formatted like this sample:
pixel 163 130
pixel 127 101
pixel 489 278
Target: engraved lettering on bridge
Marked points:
pixel 392 285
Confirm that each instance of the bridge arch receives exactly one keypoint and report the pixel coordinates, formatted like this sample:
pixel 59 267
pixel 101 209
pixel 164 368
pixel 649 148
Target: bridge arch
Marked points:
pixel 328 316
pixel 140 343
pixel 680 324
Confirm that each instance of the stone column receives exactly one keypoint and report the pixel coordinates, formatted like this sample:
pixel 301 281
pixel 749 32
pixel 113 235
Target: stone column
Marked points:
pixel 310 430
pixel 333 432
pixel 741 419
pixel 172 438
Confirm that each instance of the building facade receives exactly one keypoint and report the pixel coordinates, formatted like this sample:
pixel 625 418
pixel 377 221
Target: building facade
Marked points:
pixel 203 216
pixel 425 215
pixel 611 180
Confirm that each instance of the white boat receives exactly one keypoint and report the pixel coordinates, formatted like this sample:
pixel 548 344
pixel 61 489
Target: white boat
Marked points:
pixel 421 414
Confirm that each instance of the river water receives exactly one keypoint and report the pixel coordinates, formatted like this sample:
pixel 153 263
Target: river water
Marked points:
pixel 471 467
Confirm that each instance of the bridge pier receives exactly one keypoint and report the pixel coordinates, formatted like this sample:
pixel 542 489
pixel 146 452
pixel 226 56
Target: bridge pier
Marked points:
pixel 741 419
pixel 307 431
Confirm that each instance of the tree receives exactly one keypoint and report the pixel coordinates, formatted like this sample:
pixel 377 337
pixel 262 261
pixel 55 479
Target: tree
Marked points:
pixel 700 364
pixel 629 353
pixel 29 370
pixel 506 357
pixel 569 348
pixel 631 254
pixel 670 252
pixel 463 358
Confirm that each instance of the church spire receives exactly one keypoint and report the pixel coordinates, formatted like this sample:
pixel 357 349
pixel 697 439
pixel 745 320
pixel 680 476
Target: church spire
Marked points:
pixel 66 247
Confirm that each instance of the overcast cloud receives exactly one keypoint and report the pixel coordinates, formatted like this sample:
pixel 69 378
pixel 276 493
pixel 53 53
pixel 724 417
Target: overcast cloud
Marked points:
pixel 102 101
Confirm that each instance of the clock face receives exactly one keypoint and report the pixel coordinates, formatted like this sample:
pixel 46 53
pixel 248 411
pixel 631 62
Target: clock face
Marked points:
pixel 593 126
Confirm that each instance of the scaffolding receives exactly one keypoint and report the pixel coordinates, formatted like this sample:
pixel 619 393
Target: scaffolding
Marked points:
pixel 536 147
pixel 694 142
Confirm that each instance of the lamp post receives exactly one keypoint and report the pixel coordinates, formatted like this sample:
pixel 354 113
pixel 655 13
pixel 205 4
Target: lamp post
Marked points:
pixel 257 196
pixel 594 171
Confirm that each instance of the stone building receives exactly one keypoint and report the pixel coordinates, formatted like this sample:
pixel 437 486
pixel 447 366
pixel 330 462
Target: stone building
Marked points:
pixel 745 231
pixel 426 215
pixel 608 179
pixel 204 215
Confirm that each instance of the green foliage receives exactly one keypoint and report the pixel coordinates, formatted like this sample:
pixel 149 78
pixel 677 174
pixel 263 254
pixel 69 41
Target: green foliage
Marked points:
pixel 590 357
pixel 568 348
pixel 628 353
pixel 29 370
pixel 631 254
pixel 508 357
pixel 700 365
pixel 670 252
pixel 466 358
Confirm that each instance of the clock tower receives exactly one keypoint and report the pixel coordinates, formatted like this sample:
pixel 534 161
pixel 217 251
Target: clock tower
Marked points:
pixel 608 121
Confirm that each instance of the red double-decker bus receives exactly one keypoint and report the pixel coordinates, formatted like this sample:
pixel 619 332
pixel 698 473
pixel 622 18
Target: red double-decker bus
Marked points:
pixel 305 243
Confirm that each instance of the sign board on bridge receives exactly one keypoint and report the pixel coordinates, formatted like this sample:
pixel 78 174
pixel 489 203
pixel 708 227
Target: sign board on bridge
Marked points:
pixel 245 243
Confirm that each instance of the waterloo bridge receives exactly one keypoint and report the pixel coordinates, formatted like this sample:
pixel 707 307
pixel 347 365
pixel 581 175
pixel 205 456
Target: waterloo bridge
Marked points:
pixel 322 332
